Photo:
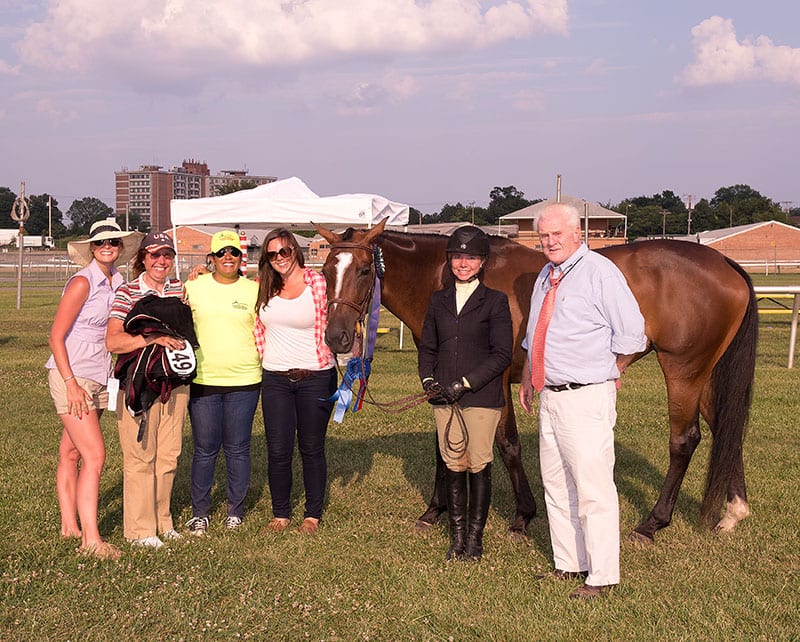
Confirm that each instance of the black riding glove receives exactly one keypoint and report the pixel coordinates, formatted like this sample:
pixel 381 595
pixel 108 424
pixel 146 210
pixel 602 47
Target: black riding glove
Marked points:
pixel 434 389
pixel 453 392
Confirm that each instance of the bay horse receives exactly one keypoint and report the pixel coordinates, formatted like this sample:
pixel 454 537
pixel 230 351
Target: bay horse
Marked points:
pixel 701 321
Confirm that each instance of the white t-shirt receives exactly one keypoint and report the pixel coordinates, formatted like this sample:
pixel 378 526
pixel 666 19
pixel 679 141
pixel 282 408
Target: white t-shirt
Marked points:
pixel 289 338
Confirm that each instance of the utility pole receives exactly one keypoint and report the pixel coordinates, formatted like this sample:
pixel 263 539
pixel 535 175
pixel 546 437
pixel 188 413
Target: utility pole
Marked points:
pixel 49 216
pixel 472 205
pixel 689 198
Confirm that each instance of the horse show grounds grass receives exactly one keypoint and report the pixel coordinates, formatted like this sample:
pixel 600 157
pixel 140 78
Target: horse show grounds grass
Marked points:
pixel 367 575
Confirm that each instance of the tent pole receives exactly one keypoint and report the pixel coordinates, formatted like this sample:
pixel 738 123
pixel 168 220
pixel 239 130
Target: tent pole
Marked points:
pixel 175 243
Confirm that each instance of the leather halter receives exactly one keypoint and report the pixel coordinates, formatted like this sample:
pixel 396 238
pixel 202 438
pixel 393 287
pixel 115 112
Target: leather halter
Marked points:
pixel 361 308
pixel 377 269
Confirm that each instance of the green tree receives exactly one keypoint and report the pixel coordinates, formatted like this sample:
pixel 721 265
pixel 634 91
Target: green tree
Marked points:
pixel 229 188
pixel 134 222
pixel 741 204
pixel 82 213
pixel 705 218
pixel 7 198
pixel 459 213
pixel 40 219
pixel 504 200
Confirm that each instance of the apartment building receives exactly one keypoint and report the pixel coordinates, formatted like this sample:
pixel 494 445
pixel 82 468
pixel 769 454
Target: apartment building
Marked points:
pixel 147 191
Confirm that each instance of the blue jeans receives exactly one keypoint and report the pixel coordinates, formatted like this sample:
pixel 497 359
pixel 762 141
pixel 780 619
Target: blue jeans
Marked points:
pixel 225 420
pixel 297 408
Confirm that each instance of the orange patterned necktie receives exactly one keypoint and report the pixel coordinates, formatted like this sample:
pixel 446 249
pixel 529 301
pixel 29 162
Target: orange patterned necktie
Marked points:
pixel 540 333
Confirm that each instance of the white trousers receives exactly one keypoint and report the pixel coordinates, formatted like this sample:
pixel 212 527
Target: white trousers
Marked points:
pixel 576 450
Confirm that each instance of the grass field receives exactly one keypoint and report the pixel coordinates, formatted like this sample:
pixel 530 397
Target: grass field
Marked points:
pixel 367 575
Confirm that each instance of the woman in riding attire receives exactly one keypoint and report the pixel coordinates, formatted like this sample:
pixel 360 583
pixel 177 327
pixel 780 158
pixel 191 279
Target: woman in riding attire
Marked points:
pixel 465 347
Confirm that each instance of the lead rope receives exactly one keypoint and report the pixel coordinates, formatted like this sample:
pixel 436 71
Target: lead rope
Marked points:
pixel 458 448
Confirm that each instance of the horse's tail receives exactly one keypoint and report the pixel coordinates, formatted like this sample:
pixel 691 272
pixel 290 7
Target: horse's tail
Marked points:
pixel 732 394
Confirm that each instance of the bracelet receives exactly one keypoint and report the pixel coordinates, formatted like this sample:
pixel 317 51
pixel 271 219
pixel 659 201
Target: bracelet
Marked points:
pixel 68 378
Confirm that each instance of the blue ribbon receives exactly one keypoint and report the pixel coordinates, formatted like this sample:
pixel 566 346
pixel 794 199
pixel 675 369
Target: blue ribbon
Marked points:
pixel 356 370
pixel 359 368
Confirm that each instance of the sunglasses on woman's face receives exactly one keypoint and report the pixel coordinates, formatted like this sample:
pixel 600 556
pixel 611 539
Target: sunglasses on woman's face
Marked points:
pixel 111 242
pixel 162 254
pixel 284 253
pixel 235 252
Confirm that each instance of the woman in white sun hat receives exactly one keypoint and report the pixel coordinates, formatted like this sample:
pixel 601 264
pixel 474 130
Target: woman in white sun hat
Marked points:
pixel 79 368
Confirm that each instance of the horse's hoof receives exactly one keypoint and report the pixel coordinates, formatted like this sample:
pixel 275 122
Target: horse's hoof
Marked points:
pixel 641 540
pixel 421 526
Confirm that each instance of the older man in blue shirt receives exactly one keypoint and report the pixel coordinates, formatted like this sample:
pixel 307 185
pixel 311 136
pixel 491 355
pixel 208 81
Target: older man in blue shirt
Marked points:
pixel 595 328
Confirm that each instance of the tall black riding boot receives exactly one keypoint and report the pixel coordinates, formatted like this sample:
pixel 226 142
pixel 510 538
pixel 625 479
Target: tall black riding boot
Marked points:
pixel 480 494
pixel 457 513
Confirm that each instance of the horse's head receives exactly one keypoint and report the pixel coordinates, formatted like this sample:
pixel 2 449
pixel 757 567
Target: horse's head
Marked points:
pixel 350 275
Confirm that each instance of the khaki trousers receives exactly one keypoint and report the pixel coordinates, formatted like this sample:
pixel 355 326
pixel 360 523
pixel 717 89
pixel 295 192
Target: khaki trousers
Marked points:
pixel 481 425
pixel 149 466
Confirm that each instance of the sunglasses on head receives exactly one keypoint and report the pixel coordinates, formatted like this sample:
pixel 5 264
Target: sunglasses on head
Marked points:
pixel 284 253
pixel 235 252
pixel 111 242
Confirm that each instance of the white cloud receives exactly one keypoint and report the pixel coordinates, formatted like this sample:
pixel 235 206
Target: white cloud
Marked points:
pixel 369 97
pixel 7 70
pixel 55 113
pixel 195 37
pixel 720 58
pixel 528 100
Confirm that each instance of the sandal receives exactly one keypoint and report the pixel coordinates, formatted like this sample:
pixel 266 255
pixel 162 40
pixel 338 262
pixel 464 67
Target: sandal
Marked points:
pixel 309 526
pixel 277 525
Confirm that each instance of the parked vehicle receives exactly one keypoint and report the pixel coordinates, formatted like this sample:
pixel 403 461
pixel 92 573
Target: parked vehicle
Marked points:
pixel 9 236
pixel 42 242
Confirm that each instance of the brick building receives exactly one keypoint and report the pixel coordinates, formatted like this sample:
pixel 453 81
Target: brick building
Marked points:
pixel 147 191
pixel 769 245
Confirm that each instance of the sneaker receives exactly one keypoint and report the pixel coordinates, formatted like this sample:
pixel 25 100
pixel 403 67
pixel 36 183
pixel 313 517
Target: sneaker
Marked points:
pixel 147 542
pixel 171 534
pixel 232 522
pixel 198 526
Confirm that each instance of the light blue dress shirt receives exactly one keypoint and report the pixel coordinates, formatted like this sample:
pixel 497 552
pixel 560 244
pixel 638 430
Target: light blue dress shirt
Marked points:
pixel 595 318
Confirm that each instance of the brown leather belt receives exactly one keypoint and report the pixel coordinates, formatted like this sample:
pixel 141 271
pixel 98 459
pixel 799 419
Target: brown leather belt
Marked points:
pixel 293 374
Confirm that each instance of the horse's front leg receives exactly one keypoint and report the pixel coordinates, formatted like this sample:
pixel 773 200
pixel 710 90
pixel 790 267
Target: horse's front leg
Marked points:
pixel 438 503
pixel 507 441
pixel 684 417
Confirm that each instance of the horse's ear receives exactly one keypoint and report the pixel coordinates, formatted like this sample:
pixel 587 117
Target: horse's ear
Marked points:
pixel 329 235
pixel 375 231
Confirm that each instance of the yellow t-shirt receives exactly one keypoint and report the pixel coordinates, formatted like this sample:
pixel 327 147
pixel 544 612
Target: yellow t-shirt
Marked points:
pixel 224 316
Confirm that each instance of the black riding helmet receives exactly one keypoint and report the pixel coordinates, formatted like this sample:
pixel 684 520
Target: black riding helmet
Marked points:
pixel 468 240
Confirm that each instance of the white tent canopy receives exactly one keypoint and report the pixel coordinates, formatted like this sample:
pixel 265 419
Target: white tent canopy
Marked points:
pixel 287 202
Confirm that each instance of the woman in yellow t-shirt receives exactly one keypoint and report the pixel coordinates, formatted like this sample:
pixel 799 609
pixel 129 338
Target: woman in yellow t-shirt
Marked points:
pixel 224 395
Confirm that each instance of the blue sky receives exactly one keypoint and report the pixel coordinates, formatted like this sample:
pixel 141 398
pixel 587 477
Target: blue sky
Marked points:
pixel 424 102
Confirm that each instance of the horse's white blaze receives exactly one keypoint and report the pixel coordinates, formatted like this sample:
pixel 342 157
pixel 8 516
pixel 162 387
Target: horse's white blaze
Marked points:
pixel 343 261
